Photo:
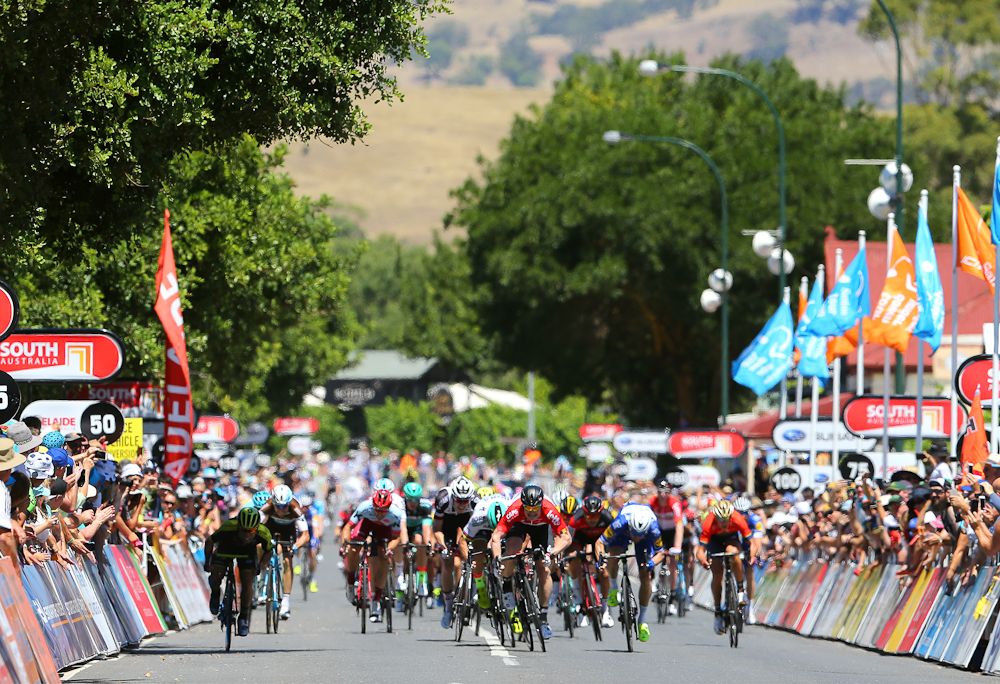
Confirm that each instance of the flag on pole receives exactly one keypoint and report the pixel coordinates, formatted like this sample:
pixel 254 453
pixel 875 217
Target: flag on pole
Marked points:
pixel 178 411
pixel 812 363
pixel 768 358
pixel 930 324
pixel 897 310
pixel 803 304
pixel 974 450
pixel 975 254
pixel 848 301
pixel 995 214
pixel 844 344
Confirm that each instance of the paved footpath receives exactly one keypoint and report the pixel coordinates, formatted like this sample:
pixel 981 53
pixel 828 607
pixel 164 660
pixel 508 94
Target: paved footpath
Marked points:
pixel 322 643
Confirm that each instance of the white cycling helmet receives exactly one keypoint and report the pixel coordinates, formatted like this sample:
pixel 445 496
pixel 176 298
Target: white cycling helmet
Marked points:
pixel 384 484
pixel 463 489
pixel 282 495
pixel 641 519
pixel 742 503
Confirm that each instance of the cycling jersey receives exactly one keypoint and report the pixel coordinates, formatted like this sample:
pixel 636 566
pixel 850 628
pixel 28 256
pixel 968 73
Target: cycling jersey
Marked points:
pixel 619 534
pixel 515 515
pixel 756 524
pixel 418 513
pixel 585 532
pixel 230 544
pixel 380 524
pixel 736 526
pixel 478 526
pixel 668 513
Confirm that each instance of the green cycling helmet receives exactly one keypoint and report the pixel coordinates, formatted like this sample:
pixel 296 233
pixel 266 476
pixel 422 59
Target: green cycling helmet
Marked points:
pixel 248 519
pixel 413 490
pixel 495 512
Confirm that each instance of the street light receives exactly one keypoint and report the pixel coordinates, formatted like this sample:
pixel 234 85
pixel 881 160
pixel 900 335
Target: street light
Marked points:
pixel 720 277
pixel 650 67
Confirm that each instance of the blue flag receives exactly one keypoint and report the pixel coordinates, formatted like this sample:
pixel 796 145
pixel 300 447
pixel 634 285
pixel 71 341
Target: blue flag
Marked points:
pixel 812 363
pixel 766 361
pixel 930 296
pixel 995 214
pixel 848 301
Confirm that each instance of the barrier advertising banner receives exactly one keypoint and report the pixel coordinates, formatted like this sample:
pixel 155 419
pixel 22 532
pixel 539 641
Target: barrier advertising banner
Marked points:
pixel 26 644
pixel 138 589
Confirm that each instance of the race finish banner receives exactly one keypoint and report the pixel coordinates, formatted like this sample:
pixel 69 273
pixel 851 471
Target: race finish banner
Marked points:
pixel 706 444
pixel 179 413
pixel 62 355
pixel 136 398
pixel 864 416
pixel 9 309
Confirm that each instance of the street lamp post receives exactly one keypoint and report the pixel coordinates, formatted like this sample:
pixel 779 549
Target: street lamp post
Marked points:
pixel 719 282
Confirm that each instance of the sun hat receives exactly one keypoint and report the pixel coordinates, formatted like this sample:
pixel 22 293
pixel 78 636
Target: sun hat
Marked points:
pixel 39 466
pixel 130 470
pixel 23 437
pixel 9 458
pixel 53 439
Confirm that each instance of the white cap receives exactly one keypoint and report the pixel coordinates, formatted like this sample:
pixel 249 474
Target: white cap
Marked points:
pixel 131 469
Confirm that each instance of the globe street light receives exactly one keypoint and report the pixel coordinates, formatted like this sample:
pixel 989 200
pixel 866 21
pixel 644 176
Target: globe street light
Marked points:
pixel 725 278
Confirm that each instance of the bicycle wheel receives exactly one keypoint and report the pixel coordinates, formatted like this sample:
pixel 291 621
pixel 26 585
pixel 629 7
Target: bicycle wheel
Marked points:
pixel 592 605
pixel 269 600
pixel 387 602
pixel 363 594
pixel 527 633
pixel 534 613
pixel 459 607
pixel 229 605
pixel 732 609
pixel 305 576
pixel 662 597
pixel 680 593
pixel 411 596
pixel 626 616
pixel 567 604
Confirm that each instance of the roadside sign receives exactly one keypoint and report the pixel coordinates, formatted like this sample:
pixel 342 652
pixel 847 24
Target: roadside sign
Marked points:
pixel 640 469
pixel 699 475
pixel 975 372
pixel 126 446
pixel 599 432
pixel 10 397
pixel 597 452
pixel 215 429
pixel 677 478
pixel 865 417
pixel 793 435
pixel 641 442
pixel 58 414
pixel 853 466
pixel 102 419
pixel 707 444
pixel 254 434
pixel 84 355
pixel 9 309
pixel 786 480
pixel 296 426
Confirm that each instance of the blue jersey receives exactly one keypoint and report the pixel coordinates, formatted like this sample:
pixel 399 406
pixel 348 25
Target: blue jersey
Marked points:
pixel 618 535
pixel 756 524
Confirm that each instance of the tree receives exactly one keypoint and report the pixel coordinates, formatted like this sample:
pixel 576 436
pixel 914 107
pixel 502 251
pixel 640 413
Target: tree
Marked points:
pixel 519 62
pixel 404 425
pixel 443 40
pixel 590 259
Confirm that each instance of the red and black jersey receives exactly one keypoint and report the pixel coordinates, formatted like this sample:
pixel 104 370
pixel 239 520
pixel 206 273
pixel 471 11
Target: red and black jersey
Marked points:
pixel 712 527
pixel 586 532
pixel 515 516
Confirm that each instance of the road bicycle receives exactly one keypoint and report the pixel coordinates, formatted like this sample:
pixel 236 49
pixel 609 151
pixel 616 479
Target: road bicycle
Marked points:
pixel 565 600
pixel 465 606
pixel 731 608
pixel 410 598
pixel 591 606
pixel 228 611
pixel 498 616
pixel 363 590
pixel 627 607
pixel 273 587
pixel 525 585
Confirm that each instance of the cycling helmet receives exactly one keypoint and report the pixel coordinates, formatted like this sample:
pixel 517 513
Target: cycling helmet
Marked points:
pixel 485 491
pixel 462 489
pixel 381 500
pixel 568 505
pixel 495 512
pixel 742 503
pixel 558 496
pixel 260 499
pixel 641 520
pixel 384 485
pixel 248 519
pixel 664 487
pixel 305 501
pixel 413 490
pixel 53 440
pixel 723 510
pixel 592 504
pixel 282 495
pixel 532 495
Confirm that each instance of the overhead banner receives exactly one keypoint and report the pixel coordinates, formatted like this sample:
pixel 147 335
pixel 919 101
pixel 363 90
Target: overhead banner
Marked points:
pixel 797 434
pixel 70 355
pixel 296 426
pixel 215 429
pixel 9 309
pixel 179 418
pixel 707 444
pixel 976 373
pixel 641 442
pixel 136 398
pixel 865 417
pixel 599 432
pixel 56 414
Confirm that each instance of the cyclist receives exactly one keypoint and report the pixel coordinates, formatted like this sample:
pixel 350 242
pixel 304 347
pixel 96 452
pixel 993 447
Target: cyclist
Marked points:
pixel 635 524
pixel 384 519
pixel 314 523
pixel 284 519
pixel 723 531
pixel 477 533
pixel 587 524
pixel 260 499
pixel 419 513
pixel 530 518
pixel 237 539
pixel 745 507
pixel 670 517
pixel 452 510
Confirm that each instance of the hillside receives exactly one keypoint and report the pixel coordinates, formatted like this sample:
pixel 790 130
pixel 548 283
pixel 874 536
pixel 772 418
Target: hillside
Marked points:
pixel 460 103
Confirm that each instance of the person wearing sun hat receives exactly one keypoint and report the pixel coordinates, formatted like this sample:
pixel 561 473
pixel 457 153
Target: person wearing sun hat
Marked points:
pixel 9 459
pixel 24 440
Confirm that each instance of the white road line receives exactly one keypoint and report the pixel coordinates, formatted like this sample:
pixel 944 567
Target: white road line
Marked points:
pixel 496 648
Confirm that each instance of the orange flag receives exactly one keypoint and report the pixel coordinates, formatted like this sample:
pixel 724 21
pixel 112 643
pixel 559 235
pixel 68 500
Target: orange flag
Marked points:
pixel 975 252
pixel 897 310
pixel 846 343
pixel 974 451
pixel 803 304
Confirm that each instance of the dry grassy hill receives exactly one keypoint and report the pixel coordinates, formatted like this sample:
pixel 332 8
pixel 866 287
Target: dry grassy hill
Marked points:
pixel 423 147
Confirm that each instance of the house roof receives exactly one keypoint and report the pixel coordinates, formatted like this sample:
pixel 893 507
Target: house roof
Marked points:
pixel 974 298
pixel 761 426
pixel 379 364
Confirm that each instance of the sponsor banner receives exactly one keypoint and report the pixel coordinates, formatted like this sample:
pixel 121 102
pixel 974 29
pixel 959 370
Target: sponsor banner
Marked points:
pixel 135 398
pixel 117 592
pixel 165 593
pixel 640 469
pixel 58 414
pixel 84 355
pixel 216 429
pixel 296 426
pixel 707 444
pixel 699 475
pixel 794 435
pixel 599 432
pixel 302 444
pixel 254 434
pixel 865 417
pixel 596 452
pixel 126 447
pixel 648 442
pixel 138 589
pixel 182 571
pixel 9 309
pixel 29 656
pixel 976 373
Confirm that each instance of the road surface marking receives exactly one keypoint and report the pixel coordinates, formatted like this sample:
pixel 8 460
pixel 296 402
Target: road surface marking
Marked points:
pixel 496 648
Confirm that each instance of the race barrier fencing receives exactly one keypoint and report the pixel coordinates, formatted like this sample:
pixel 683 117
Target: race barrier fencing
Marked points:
pixel 54 616
pixel 924 615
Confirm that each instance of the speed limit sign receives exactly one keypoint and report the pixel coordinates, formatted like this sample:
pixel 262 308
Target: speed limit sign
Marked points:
pixel 786 480
pixel 102 419
pixel 10 397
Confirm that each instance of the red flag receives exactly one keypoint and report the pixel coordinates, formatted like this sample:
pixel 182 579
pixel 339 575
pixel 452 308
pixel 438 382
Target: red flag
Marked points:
pixel 179 424
pixel 974 449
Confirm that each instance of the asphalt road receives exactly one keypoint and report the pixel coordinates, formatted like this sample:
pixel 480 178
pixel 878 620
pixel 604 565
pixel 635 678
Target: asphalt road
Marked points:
pixel 322 642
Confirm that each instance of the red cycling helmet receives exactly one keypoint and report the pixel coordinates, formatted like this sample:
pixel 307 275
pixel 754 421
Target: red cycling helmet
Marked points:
pixel 382 499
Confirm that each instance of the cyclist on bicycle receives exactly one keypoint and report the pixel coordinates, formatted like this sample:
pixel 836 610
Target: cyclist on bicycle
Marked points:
pixel 285 520
pixel 385 520
pixel 477 533
pixel 237 539
pixel 530 517
pixel 744 506
pixel 452 510
pixel 723 531
pixel 587 525
pixel 635 524
pixel 419 514
pixel 670 517
pixel 314 522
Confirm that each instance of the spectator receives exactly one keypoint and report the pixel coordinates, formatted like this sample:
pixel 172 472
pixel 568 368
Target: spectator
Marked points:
pixel 9 459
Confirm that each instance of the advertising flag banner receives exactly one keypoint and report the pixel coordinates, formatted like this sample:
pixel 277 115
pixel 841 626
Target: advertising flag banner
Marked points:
pixel 812 363
pixel 848 301
pixel 930 324
pixel 974 450
pixel 179 420
pixel 897 310
pixel 768 358
pixel 975 254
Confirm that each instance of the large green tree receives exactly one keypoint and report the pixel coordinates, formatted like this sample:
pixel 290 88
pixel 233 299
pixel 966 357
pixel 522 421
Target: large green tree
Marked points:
pixel 589 259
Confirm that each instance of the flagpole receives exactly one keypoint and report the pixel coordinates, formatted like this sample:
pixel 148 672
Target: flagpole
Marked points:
pixel 887 360
pixel 814 409
pixel 919 448
pixel 994 413
pixel 860 387
pixel 956 181
pixel 835 458
pixel 803 292
pixel 783 410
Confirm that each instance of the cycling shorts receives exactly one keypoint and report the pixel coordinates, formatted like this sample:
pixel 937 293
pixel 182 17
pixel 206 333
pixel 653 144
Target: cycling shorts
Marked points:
pixel 451 524
pixel 538 534
pixel 718 543
pixel 245 560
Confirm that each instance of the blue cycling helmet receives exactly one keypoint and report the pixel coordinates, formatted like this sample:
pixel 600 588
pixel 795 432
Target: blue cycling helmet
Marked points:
pixel 260 499
pixel 53 440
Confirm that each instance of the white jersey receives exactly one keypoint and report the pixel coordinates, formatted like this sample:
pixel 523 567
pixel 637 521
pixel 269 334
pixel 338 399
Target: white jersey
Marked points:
pixel 479 523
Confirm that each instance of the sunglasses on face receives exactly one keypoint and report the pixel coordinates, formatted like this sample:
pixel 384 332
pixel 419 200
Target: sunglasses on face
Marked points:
pixel 532 509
